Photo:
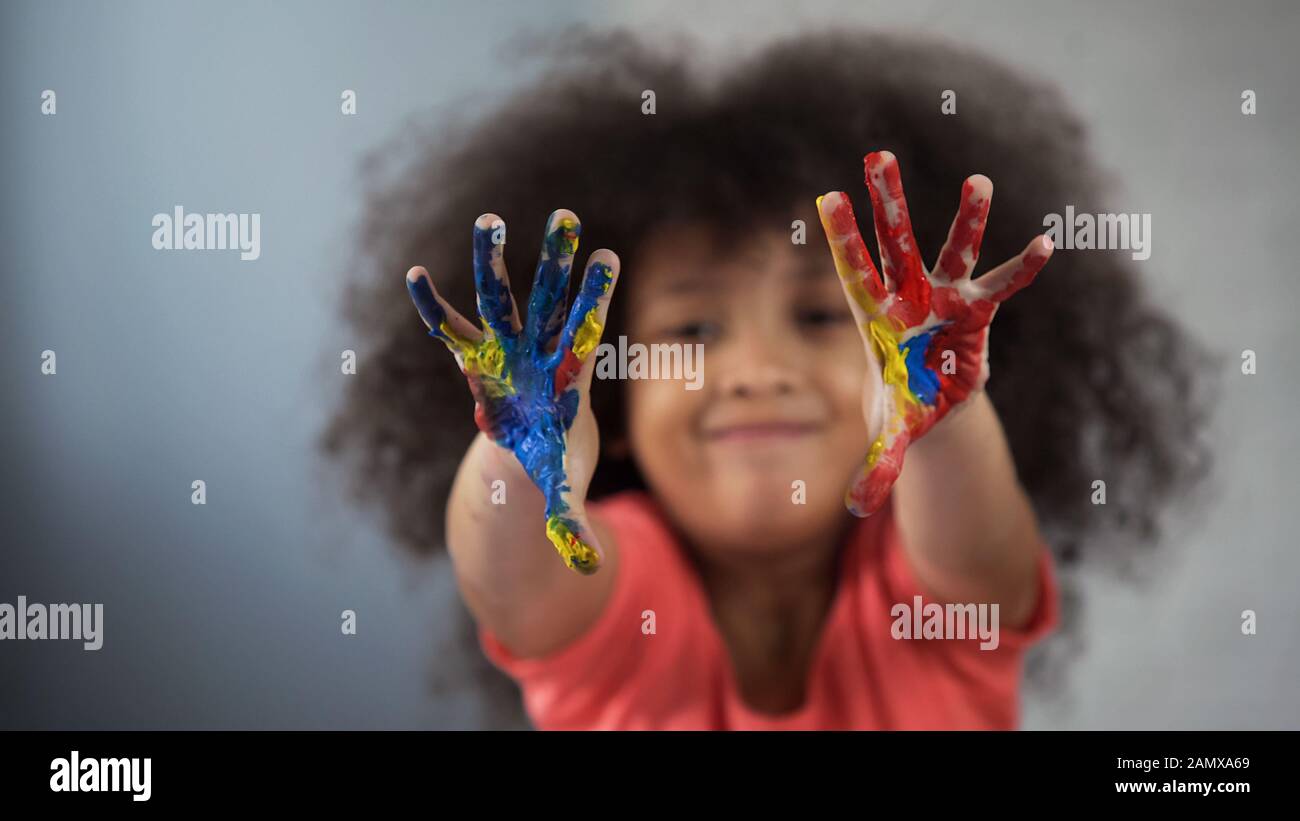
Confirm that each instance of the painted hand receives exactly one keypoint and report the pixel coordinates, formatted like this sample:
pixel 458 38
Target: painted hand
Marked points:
pixel 926 332
pixel 530 393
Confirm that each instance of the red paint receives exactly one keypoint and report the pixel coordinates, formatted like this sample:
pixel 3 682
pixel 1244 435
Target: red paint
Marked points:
pixel 566 371
pixel 845 225
pixel 871 491
pixel 951 307
pixel 480 419
pixel 1031 262
pixel 481 402
pixel 909 296
pixel 967 362
pixel 909 313
pixel 842 218
pixel 898 255
pixel 966 235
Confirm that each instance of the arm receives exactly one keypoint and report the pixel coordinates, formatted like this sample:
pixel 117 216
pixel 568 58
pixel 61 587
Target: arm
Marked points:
pixel 505 566
pixel 981 543
pixel 531 383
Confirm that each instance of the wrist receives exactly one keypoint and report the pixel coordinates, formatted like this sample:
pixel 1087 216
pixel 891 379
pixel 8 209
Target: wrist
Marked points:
pixel 959 421
pixel 497 462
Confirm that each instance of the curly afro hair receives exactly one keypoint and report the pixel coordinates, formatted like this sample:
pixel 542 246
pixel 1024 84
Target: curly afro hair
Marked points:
pixel 1090 379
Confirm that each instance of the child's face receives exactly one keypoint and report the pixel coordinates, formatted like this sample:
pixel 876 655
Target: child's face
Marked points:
pixel 785 381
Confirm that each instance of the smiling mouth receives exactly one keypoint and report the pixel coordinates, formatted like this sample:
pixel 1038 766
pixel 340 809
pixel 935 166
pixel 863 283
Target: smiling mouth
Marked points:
pixel 761 432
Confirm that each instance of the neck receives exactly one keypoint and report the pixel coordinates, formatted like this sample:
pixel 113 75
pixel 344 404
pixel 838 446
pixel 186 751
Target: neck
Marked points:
pixel 769 610
pixel 781 585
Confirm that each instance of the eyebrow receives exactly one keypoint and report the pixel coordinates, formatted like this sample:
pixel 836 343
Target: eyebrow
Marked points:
pixel 809 268
pixel 688 285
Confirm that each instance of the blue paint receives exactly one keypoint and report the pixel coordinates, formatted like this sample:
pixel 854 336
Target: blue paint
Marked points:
pixel 921 380
pixel 495 304
pixel 550 286
pixel 430 311
pixel 520 410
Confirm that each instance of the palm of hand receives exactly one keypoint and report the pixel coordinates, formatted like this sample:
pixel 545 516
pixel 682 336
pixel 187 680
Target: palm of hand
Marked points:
pixel 927 331
pixel 527 395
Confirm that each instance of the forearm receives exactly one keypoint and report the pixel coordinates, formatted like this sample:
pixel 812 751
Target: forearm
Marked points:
pixel 509 573
pixel 970 531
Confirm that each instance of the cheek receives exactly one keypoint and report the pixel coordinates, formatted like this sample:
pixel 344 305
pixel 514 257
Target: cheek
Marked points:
pixel 660 415
pixel 856 397
pixel 852 385
pixel 845 365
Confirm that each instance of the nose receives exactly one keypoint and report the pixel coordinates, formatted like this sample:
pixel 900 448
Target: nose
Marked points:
pixel 755 365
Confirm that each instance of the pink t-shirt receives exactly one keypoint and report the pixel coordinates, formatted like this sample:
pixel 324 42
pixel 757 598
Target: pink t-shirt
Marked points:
pixel 615 677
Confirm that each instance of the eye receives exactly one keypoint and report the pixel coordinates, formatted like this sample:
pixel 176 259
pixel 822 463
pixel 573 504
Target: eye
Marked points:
pixel 694 330
pixel 820 317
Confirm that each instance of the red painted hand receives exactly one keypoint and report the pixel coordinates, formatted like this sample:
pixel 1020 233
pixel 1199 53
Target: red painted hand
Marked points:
pixel 926 331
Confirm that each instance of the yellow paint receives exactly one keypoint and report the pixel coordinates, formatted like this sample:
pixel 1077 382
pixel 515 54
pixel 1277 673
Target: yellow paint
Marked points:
pixel 850 276
pixel 588 335
pixel 485 359
pixel 568 239
pixel 576 553
pixel 885 338
pixel 877 448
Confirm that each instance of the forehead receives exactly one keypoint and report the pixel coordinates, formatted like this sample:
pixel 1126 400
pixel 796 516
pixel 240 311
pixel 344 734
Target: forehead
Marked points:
pixel 697 259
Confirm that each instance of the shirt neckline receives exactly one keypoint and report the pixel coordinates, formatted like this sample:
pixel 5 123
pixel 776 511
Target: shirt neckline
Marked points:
pixel 733 701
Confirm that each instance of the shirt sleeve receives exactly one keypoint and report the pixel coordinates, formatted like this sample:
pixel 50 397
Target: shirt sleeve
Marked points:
pixel 976 687
pixel 902 582
pixel 968 685
pixel 584 684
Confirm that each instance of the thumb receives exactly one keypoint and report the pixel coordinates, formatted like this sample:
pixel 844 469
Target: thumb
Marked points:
pixel 575 539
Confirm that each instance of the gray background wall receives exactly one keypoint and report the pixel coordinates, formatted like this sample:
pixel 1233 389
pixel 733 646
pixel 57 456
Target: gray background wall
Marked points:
pixel 176 367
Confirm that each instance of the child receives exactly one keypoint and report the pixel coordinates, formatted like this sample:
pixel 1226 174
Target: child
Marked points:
pixel 723 583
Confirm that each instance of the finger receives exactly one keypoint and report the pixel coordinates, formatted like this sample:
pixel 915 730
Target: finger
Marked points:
pixel 869 492
pixel 999 284
pixel 551 282
pixel 957 259
pixel 858 275
pixel 496 306
pixel 574 538
pixel 546 459
pixel 575 361
pixel 898 254
pixel 444 322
